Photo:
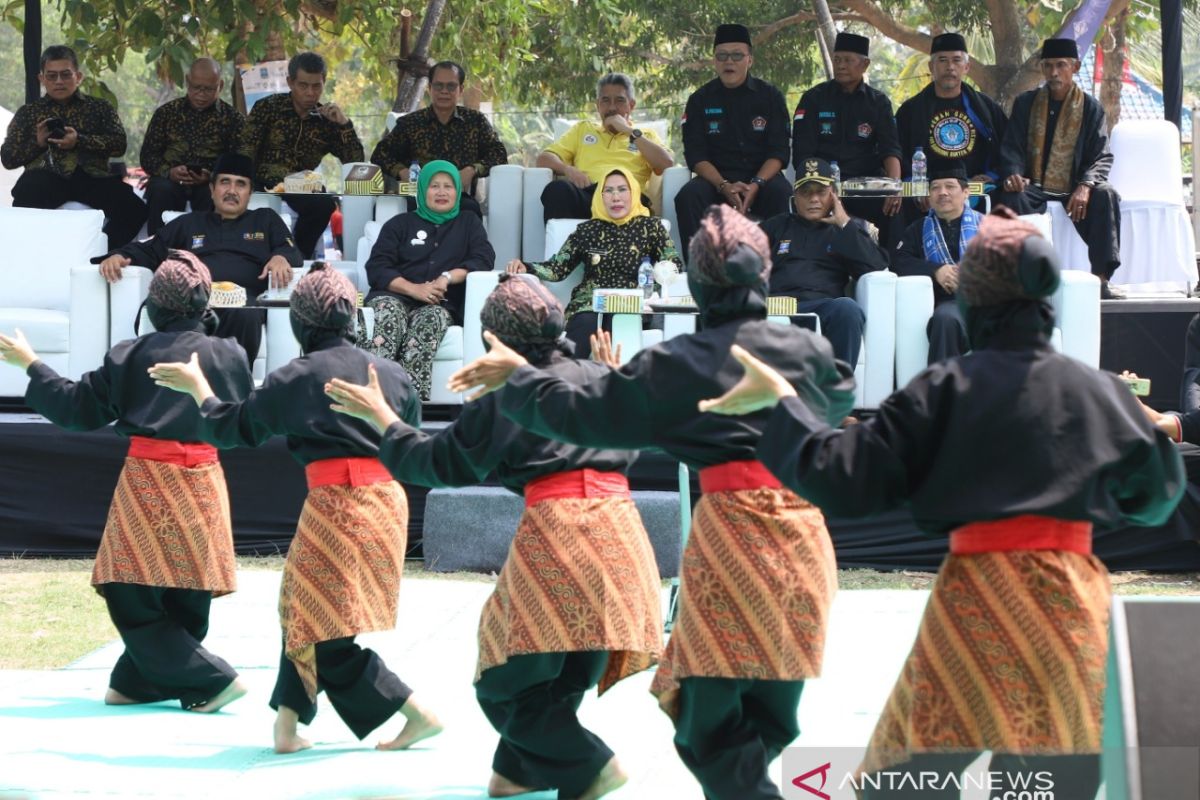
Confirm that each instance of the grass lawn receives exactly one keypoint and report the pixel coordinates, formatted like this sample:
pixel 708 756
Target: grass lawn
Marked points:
pixel 51 616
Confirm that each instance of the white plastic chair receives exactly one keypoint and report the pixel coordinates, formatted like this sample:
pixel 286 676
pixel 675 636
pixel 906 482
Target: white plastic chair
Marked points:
pixel 1158 247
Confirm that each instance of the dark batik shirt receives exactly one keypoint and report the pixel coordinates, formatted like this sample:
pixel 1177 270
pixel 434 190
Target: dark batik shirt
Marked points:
pixel 292 403
pixel 814 260
pixel 855 129
pixel 1013 428
pixel 178 135
pixel 418 250
pixel 467 140
pixel 651 401
pixel 122 391
pixel 282 142
pixel 232 249
pixel 610 255
pixel 101 136
pixel 482 440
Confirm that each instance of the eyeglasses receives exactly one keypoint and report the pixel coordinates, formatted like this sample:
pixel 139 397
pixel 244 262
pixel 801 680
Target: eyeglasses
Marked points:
pixel 55 77
pixel 444 87
pixel 724 56
pixel 615 190
pixel 200 89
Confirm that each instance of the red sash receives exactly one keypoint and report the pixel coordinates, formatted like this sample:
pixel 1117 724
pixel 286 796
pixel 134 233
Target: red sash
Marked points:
pixel 1026 532
pixel 735 476
pixel 576 483
pixel 346 472
pixel 181 454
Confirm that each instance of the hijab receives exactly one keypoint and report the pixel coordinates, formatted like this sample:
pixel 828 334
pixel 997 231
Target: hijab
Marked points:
pixel 424 179
pixel 636 209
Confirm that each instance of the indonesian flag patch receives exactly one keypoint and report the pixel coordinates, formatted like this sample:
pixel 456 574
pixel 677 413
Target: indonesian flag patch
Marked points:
pixel 799 115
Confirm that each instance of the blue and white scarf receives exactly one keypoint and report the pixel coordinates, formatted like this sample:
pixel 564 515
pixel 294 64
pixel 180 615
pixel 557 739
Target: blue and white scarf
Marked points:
pixel 934 243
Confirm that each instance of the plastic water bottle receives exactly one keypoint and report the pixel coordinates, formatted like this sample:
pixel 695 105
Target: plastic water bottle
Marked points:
pixel 837 176
pixel 919 174
pixel 414 171
pixel 646 277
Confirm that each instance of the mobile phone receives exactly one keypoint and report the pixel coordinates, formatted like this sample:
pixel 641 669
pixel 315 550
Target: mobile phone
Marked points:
pixel 1139 386
pixel 56 127
pixel 198 169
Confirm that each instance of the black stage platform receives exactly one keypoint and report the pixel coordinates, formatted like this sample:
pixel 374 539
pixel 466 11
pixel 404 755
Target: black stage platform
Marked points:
pixel 55 487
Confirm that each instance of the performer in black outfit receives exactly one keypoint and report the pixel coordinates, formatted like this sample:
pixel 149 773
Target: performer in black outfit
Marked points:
pixel 1015 451
pixel 167 548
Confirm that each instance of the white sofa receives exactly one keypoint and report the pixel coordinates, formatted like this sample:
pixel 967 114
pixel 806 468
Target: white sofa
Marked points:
pixel 1076 312
pixel 51 291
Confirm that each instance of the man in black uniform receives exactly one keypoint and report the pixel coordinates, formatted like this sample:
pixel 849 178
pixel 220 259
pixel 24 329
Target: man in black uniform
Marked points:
pixel 847 121
pixel 932 246
pixel 734 139
pixel 1056 150
pixel 236 245
pixel 951 120
pixel 293 131
pixel 184 138
pixel 817 251
pixel 64 140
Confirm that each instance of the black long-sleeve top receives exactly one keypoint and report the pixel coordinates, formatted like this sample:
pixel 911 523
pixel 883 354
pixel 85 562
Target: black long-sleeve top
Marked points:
pixel 815 260
pixel 908 258
pixel 1189 392
pixel 1013 428
pixel 855 129
pixel 232 249
pixel 418 250
pixel 482 440
pixel 1092 161
pixel 292 403
pixel 122 391
pixel 735 130
pixel 652 400
pixel 101 136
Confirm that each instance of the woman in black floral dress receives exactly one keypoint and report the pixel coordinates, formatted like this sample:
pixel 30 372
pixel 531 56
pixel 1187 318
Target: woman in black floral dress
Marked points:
pixel 610 247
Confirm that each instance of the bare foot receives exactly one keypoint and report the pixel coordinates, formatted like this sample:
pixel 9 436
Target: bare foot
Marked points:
pixel 500 786
pixel 286 738
pixel 421 724
pixel 612 777
pixel 114 698
pixel 232 692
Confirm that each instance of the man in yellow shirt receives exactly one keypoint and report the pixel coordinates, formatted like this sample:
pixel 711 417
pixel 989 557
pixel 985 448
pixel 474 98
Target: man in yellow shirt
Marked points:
pixel 590 150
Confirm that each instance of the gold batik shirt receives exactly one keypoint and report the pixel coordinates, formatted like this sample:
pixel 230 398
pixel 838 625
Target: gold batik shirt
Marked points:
pixel 281 142
pixel 101 136
pixel 179 134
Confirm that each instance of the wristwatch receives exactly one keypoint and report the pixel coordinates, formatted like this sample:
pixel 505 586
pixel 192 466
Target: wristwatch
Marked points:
pixel 449 278
pixel 757 181
pixel 635 134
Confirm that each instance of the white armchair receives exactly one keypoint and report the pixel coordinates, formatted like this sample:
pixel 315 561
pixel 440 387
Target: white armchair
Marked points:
pixel 1076 314
pixel 449 356
pixel 51 291
pixel 1158 246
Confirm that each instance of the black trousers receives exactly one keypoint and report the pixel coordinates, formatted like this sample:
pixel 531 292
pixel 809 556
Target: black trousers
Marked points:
pixel 162 630
pixel 562 199
pixel 1076 777
pixel 729 731
pixel 698 194
pixel 531 702
pixel 245 325
pixel 163 194
pixel 360 687
pixel 947 331
pixel 842 323
pixel 124 210
pixel 312 218
pixel 1100 229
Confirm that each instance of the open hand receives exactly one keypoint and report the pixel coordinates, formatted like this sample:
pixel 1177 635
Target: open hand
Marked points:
pixel 602 349
pixel 15 350
pixel 364 402
pixel 182 377
pixel 761 387
pixel 489 371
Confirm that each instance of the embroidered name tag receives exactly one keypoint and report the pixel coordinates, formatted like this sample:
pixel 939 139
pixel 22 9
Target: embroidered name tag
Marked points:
pixel 256 236
pixel 197 241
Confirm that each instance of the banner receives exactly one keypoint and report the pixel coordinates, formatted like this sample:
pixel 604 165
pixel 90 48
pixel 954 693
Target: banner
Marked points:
pixel 1084 24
